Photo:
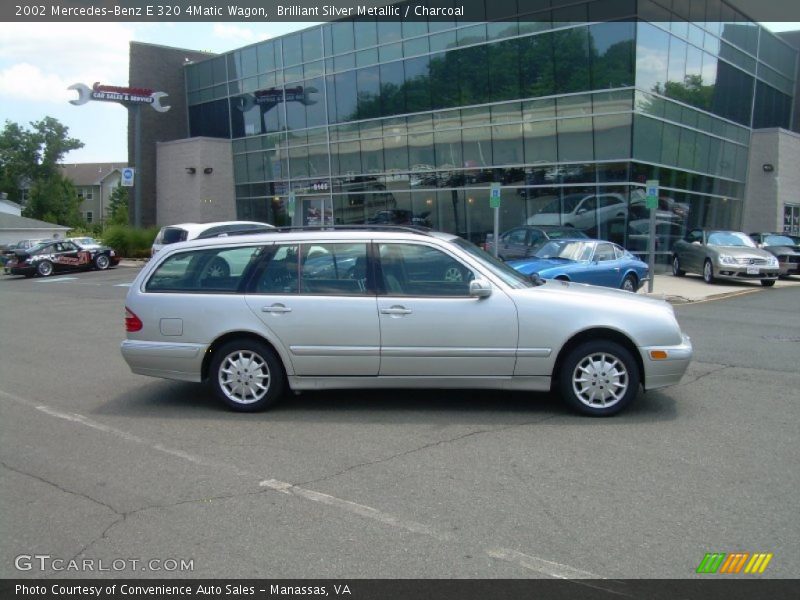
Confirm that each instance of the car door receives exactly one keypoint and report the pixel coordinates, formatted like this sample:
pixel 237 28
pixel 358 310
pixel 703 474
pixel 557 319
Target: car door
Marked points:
pixel 604 268
pixel 431 326
pixel 692 253
pixel 66 256
pixel 316 300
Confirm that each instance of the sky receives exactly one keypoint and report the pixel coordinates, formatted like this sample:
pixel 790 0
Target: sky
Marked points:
pixel 39 61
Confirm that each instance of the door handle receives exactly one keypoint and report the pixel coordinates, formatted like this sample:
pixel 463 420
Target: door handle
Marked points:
pixel 395 310
pixel 276 308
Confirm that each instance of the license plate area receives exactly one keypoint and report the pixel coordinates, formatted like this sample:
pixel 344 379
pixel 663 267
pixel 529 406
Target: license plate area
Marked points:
pixel 753 270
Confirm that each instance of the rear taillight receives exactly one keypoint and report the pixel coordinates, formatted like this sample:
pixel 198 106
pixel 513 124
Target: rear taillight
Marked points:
pixel 132 322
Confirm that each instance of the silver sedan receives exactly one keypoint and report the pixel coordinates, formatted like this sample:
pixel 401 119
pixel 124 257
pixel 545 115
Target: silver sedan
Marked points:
pixel 723 254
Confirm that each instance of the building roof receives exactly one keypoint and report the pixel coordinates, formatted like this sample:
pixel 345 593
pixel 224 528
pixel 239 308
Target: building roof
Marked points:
pixel 90 173
pixel 9 221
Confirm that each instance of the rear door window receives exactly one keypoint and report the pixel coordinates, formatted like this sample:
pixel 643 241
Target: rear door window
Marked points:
pixel 211 270
pixel 172 235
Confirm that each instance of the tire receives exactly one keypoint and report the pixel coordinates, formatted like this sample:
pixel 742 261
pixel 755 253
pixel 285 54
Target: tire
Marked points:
pixel 235 371
pixel 44 268
pixel 588 373
pixel 708 272
pixel 101 262
pixel 767 282
pixel 676 267
pixel 630 283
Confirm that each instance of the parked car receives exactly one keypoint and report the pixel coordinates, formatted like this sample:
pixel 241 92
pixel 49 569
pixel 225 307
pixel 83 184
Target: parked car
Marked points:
pixel 522 242
pixel 190 231
pixel 378 316
pixel 581 211
pixel 782 247
pixel 60 255
pixel 667 233
pixel 595 262
pixel 8 252
pixel 716 253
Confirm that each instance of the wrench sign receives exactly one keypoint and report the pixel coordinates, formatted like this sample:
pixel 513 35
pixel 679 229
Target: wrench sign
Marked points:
pixel 123 95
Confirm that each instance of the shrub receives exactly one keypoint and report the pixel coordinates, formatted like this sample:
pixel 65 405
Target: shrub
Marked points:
pixel 130 242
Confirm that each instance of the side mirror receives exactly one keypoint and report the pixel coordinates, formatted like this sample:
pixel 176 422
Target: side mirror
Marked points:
pixel 480 288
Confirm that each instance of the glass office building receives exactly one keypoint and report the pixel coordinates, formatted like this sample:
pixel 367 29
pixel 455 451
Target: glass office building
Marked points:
pixel 411 122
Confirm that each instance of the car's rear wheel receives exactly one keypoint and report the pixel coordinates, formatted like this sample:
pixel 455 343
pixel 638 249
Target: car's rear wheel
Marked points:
pixel 676 267
pixel 599 378
pixel 767 282
pixel 44 268
pixel 630 283
pixel 708 272
pixel 101 262
pixel 246 375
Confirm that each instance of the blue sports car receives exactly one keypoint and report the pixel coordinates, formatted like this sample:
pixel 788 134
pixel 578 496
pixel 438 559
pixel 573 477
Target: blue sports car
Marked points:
pixel 586 261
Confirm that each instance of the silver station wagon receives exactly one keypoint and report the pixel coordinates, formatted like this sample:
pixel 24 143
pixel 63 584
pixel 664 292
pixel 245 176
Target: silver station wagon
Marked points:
pixel 388 307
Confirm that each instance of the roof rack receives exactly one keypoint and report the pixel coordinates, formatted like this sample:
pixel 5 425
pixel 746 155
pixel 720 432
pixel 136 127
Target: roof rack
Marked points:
pixel 407 228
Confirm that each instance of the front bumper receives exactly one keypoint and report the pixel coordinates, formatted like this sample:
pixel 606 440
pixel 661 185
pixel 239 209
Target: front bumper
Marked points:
pixel 662 372
pixel 741 272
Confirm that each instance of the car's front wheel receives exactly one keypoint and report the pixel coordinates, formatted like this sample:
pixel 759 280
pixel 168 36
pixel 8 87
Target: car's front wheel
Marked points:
pixel 246 375
pixel 708 272
pixel 599 378
pixel 101 262
pixel 767 282
pixel 44 268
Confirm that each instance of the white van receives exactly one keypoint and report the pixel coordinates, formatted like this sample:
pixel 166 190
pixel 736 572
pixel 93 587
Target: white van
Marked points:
pixel 192 231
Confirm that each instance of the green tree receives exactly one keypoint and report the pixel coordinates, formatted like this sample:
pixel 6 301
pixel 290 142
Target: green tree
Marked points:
pixel 55 200
pixel 118 206
pixel 29 155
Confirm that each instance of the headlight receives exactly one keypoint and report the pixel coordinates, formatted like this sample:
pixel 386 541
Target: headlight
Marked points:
pixel 772 262
pixel 726 260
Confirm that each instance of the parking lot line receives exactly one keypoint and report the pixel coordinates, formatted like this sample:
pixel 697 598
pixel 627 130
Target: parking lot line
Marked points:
pixel 55 279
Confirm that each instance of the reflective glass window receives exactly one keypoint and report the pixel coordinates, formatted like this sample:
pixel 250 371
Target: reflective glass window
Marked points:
pixel 342 36
pixel 443 68
pixel 292 49
pixel 652 55
pixel 572 61
pixel 504 71
pixel 312 45
pixel 368 92
pixel 473 70
pixel 318 161
pixel 366 34
pixel 421 152
pixel 346 96
pixel 395 151
pixel 537 70
pixel 575 139
pixel 392 93
pixel 507 144
pixel 448 149
pixel 298 161
pixel 389 31
pixel 390 52
pixel 540 142
pixel 417 84
pixel 612 137
pixel 612 51
pixel 477 146
pixel 647 135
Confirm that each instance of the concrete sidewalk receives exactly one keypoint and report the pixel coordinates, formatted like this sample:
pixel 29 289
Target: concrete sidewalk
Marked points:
pixel 692 288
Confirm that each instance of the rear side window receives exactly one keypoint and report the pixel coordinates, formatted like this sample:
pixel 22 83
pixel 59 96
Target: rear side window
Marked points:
pixel 171 235
pixel 202 271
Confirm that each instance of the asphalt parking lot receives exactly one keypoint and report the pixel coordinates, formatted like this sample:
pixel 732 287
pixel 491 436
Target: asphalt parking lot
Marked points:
pixel 97 463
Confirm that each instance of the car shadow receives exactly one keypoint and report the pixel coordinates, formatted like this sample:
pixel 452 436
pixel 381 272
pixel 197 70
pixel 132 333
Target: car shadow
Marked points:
pixel 179 400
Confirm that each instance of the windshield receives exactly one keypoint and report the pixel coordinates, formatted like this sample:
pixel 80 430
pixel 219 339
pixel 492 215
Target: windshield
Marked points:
pixel 778 240
pixel 510 277
pixel 730 238
pixel 567 249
